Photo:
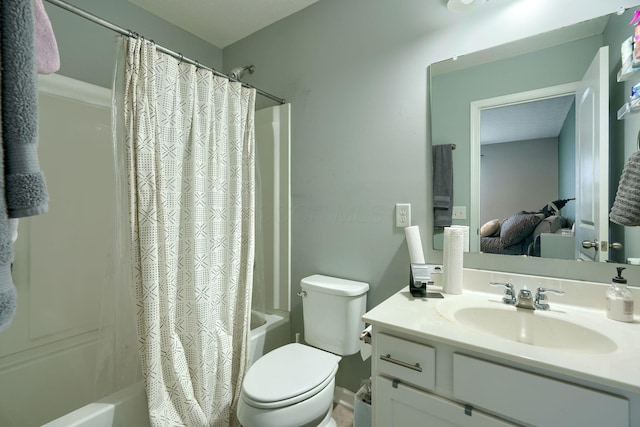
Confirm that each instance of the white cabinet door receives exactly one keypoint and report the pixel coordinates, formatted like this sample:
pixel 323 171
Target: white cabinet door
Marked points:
pixel 405 406
pixel 535 399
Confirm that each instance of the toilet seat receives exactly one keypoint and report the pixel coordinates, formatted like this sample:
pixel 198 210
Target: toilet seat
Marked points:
pixel 288 375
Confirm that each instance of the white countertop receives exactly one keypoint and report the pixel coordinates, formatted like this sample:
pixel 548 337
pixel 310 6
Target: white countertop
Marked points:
pixel 423 318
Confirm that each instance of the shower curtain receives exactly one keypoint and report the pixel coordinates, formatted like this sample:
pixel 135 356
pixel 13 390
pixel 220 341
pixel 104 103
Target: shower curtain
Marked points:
pixel 188 137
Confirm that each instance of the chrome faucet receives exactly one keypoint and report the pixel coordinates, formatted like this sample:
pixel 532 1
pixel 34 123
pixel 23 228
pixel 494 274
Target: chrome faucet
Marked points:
pixel 509 296
pixel 525 299
pixel 541 295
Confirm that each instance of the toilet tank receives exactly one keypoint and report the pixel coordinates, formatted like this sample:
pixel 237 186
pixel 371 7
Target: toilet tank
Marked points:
pixel 332 312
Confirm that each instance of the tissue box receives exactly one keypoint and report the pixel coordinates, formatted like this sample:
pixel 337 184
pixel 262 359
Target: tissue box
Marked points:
pixel 362 409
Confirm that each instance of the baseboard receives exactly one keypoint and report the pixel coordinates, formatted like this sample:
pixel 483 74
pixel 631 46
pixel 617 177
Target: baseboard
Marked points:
pixel 344 397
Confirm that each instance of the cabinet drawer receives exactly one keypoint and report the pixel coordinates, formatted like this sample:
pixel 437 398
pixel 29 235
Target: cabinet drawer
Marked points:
pixel 406 360
pixel 534 399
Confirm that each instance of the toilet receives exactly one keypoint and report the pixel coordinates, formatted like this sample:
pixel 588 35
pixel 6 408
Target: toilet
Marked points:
pixel 292 386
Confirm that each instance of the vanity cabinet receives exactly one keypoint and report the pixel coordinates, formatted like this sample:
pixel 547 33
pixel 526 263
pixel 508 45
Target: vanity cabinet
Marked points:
pixel 404 384
pixel 417 382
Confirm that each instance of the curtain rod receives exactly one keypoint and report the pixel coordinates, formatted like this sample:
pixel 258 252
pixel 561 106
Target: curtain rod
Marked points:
pixel 93 18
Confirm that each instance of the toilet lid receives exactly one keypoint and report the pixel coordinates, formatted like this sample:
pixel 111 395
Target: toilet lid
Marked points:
pixel 288 372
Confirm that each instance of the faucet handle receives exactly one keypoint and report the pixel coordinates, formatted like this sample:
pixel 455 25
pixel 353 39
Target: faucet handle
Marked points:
pixel 509 294
pixel 504 284
pixel 543 291
pixel 541 295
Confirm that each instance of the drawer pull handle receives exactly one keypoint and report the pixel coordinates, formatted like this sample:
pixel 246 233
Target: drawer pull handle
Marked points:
pixel 390 359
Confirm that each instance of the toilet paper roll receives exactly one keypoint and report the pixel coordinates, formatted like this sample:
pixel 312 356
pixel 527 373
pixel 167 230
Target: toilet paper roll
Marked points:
pixel 415 244
pixel 465 229
pixel 365 343
pixel 453 260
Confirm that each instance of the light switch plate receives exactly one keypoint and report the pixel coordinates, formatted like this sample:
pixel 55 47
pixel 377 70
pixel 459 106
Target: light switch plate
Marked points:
pixel 459 212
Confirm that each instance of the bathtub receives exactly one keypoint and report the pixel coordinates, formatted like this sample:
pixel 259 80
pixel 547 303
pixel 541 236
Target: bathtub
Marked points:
pixel 128 407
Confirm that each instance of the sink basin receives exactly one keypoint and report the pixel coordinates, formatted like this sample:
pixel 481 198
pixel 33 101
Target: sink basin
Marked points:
pixel 537 328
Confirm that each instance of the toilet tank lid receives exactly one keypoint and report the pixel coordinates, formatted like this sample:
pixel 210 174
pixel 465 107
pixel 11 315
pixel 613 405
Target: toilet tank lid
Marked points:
pixel 334 285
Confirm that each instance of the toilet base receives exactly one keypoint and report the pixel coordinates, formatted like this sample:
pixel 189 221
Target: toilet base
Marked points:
pixel 328 420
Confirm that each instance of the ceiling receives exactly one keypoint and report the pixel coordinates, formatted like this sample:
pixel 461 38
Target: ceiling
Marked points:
pixel 525 121
pixel 222 22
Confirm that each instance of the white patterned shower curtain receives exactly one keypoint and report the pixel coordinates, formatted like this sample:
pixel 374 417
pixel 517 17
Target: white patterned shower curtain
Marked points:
pixel 188 137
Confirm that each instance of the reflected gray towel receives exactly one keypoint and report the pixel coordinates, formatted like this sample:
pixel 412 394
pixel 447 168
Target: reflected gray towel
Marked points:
pixel 626 206
pixel 442 185
pixel 25 188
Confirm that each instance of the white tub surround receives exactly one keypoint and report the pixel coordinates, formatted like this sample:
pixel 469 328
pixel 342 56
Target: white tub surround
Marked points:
pixel 458 355
pixel 272 334
pixel 128 407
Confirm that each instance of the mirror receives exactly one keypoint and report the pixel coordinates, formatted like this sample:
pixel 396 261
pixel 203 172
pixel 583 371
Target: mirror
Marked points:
pixel 469 92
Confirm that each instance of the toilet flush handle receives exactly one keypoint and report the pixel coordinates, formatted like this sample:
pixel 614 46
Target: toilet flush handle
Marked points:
pixel 302 294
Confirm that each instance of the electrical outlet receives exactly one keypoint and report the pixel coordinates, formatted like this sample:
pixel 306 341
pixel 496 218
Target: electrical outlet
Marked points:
pixel 459 212
pixel 403 214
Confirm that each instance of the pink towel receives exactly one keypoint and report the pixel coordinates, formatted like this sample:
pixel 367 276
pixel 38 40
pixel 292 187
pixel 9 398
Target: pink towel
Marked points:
pixel 47 57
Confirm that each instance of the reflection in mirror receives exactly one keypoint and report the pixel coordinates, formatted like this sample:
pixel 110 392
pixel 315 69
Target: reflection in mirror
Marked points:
pixel 527 143
pixel 526 172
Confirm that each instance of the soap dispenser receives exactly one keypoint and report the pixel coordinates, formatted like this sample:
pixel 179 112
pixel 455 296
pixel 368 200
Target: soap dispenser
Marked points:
pixel 619 299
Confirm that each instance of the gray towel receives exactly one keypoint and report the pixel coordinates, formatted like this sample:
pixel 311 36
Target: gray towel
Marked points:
pixel 25 188
pixel 8 298
pixel 626 206
pixel 22 187
pixel 442 185
pixel 8 294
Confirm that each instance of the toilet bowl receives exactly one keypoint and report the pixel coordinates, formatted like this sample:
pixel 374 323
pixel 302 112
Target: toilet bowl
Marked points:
pixel 292 386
